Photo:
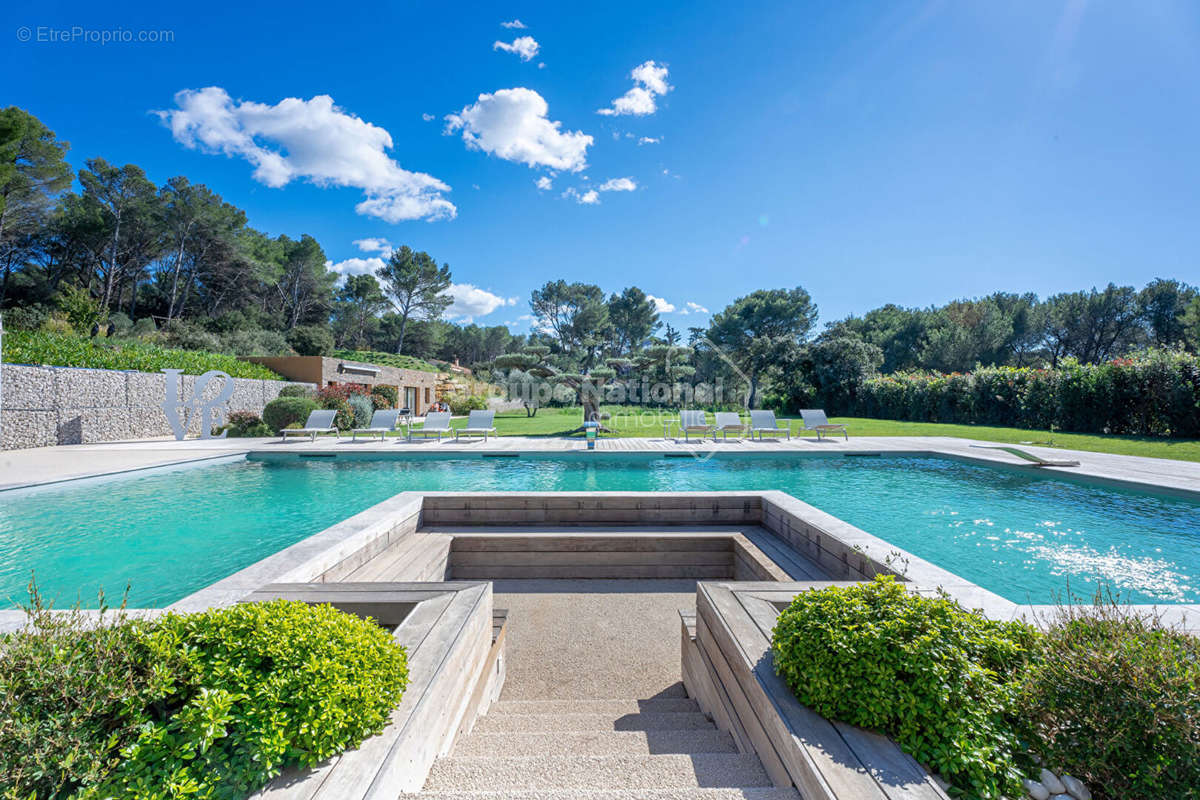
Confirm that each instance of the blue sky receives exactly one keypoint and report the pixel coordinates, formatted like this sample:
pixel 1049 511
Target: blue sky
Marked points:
pixel 872 153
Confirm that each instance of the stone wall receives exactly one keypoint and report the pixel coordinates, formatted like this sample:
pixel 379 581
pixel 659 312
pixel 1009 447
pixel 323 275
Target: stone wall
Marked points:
pixel 43 406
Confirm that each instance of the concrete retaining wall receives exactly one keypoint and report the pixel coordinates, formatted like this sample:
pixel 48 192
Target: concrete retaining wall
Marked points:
pixel 44 406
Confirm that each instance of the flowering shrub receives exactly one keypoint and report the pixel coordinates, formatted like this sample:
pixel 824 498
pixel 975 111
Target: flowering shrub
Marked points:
pixel 1154 393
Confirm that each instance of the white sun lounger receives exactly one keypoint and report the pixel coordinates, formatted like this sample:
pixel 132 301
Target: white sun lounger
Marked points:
pixel 382 422
pixel 815 420
pixel 763 422
pixel 689 422
pixel 436 423
pixel 318 422
pixel 728 421
pixel 479 423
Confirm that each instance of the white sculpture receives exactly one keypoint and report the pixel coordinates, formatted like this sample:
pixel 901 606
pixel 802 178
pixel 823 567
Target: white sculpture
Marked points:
pixel 180 412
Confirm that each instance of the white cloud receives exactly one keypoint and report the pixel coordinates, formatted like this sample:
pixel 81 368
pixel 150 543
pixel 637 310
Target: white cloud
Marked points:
pixel 694 308
pixel 544 183
pixel 588 198
pixel 374 245
pixel 355 266
pixel 516 23
pixel 649 140
pixel 429 117
pixel 650 81
pixel 512 124
pixel 470 302
pixel 541 65
pixel 660 305
pixel 618 185
pixel 311 139
pixel 524 46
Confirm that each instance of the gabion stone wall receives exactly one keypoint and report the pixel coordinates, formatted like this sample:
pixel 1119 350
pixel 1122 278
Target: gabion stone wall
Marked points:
pixel 43 406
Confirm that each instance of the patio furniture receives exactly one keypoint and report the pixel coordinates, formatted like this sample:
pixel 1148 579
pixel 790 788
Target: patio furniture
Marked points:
pixel 436 423
pixel 763 422
pixel 382 422
pixel 689 422
pixel 317 422
pixel 479 423
pixel 815 420
pixel 728 421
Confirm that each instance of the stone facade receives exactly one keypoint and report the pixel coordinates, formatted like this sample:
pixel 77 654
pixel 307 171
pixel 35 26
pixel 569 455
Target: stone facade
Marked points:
pixel 417 389
pixel 44 406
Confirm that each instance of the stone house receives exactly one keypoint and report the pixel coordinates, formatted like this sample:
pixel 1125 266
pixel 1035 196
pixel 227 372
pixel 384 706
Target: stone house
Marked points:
pixel 416 388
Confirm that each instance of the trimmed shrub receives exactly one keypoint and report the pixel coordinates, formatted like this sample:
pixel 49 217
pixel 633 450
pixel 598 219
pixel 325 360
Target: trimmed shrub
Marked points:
pixel 464 403
pixel 68 350
pixel 296 391
pixel 246 424
pixel 1113 698
pixel 200 705
pixel 1153 393
pixel 363 409
pixel 285 411
pixel 938 679
pixel 390 392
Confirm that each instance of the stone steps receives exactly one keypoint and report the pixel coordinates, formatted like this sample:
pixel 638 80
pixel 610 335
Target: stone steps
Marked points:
pixel 691 771
pixel 597 743
pixel 668 705
pixel 747 793
pixel 535 723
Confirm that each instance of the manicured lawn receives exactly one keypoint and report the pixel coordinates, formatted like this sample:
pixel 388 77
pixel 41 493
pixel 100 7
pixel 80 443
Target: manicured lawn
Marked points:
pixel 649 423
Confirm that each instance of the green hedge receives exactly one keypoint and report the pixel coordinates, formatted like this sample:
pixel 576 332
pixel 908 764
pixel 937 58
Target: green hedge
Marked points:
pixel 67 350
pixel 213 704
pixel 386 359
pixel 284 411
pixel 936 678
pixel 1155 393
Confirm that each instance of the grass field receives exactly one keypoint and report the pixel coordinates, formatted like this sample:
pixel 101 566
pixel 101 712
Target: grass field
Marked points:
pixel 649 423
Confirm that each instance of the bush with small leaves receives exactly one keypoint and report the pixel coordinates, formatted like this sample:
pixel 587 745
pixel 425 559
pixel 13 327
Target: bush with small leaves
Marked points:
pixel 283 412
pixel 1114 699
pixel 246 425
pixel 363 409
pixel 938 679
pixel 295 390
pixel 390 392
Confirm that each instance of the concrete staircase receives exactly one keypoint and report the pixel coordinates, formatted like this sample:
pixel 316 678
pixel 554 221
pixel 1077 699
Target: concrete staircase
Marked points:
pixel 656 749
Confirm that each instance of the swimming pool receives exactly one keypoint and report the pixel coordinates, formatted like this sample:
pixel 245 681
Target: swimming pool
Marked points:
pixel 1020 534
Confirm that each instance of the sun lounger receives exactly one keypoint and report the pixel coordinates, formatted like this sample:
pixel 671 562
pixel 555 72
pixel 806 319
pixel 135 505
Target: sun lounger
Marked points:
pixel 317 422
pixel 815 420
pixel 479 423
pixel 728 421
pixel 764 423
pixel 383 422
pixel 436 423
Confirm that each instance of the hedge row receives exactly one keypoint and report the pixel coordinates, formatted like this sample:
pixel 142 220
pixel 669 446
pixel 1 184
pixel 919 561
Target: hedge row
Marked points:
pixel 69 350
pixel 1156 393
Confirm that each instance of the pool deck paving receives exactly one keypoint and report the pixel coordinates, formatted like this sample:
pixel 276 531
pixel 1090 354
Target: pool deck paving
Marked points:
pixel 22 468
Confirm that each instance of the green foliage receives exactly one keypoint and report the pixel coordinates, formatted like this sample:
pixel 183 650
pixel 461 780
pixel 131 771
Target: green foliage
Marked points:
pixel 311 340
pixel 344 419
pixel 1114 699
pixel 465 403
pixel 385 360
pixel 264 686
pixel 1153 393
pixel 936 678
pixel 390 393
pixel 284 411
pixel 295 390
pixel 66 350
pixel 363 408
pixel 66 692
pixel 82 311
pixel 207 705
pixel 379 402
pixel 246 425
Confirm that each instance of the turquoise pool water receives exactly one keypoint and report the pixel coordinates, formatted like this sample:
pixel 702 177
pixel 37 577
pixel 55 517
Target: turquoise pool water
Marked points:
pixel 1021 534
